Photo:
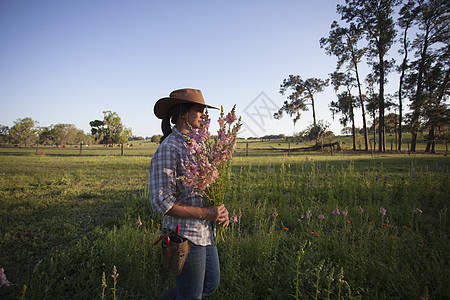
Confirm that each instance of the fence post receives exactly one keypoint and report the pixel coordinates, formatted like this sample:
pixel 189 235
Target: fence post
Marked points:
pixel 246 150
pixel 37 148
pixel 289 149
pixel 81 146
pixel 121 149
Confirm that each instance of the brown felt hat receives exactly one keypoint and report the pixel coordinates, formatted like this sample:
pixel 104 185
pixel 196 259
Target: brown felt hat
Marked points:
pixel 179 96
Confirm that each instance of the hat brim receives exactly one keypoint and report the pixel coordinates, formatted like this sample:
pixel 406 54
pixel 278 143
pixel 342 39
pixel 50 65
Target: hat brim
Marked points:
pixel 163 105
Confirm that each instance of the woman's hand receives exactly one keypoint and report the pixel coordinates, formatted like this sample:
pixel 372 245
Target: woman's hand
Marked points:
pixel 216 214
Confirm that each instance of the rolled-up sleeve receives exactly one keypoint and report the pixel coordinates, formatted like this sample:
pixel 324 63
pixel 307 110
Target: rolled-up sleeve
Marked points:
pixel 162 179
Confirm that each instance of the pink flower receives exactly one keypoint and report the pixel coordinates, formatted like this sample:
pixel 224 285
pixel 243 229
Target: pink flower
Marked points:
pixel 139 222
pixel 345 213
pixel 3 280
pixel 336 211
pixel 383 211
pixel 308 214
pixel 210 154
pixel 321 217
pixel 234 219
pixel 274 214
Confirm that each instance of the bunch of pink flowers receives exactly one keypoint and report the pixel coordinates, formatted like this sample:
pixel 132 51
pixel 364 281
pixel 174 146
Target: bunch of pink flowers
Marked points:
pixel 211 154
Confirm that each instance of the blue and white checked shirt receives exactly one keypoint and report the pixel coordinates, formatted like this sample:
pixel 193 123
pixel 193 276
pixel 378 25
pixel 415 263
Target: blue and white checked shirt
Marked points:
pixel 165 187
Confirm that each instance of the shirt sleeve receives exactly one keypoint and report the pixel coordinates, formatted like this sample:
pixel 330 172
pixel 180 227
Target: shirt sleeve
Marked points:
pixel 162 180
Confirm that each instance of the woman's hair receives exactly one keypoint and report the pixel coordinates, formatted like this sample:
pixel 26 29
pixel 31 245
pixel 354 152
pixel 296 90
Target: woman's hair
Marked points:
pixel 173 114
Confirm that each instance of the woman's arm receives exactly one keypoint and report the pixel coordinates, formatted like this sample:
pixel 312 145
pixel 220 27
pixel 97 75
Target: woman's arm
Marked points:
pixel 210 213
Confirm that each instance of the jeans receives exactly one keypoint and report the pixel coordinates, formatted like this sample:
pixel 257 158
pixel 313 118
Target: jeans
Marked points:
pixel 201 273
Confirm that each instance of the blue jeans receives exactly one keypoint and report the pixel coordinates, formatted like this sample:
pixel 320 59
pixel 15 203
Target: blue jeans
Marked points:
pixel 201 273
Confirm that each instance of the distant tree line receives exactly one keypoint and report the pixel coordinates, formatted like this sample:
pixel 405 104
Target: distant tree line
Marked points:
pixel 420 29
pixel 26 132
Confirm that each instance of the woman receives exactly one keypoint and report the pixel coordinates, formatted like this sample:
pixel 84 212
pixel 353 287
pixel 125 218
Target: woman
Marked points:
pixel 181 205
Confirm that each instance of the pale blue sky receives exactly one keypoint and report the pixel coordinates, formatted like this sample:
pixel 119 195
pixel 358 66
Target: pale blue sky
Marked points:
pixel 68 61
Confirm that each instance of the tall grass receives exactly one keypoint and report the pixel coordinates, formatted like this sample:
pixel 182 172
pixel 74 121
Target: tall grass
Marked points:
pixel 310 227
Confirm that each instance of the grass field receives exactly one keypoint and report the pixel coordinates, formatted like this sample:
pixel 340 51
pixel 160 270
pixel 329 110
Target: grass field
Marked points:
pixel 309 225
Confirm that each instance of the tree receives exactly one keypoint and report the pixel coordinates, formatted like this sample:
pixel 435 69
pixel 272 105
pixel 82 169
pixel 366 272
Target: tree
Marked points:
pixel 4 133
pixel 23 132
pixel 45 135
pixel 63 134
pixel 346 102
pixel 436 112
pixel 82 137
pixel 110 130
pixel 156 138
pixel 374 18
pixel 343 43
pixel 314 132
pixel 303 92
pixel 433 22
pixel 407 15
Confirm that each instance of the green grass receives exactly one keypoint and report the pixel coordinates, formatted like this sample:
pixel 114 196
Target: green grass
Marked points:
pixel 66 219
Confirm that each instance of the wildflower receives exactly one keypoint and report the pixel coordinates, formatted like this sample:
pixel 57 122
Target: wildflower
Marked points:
pixel 345 212
pixel 311 182
pixel 274 214
pixel 114 274
pixel 394 238
pixel 210 154
pixel 317 235
pixel 3 280
pixel 345 230
pixel 383 211
pixel 406 227
pixel 336 211
pixel 139 222
pixel 285 228
pixel 348 221
pixel 420 242
pixel 104 285
pixel 308 214
pixel 360 209
pixel 417 211
pixel 321 217
pixel 234 219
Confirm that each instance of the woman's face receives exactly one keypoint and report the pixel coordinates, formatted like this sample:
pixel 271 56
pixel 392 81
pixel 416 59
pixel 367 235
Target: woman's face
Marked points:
pixel 195 116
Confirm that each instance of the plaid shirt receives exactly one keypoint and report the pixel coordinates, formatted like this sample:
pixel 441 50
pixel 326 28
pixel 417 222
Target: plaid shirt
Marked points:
pixel 165 187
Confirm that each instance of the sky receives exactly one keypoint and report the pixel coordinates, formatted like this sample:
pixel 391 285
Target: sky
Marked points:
pixel 68 61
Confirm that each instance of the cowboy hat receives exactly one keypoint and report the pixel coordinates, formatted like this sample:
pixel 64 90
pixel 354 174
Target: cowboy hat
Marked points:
pixel 179 96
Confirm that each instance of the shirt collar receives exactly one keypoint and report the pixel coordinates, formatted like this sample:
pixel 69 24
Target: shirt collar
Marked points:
pixel 178 133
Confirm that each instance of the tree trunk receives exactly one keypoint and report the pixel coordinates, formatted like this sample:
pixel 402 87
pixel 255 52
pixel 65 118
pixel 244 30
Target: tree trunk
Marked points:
pixel 400 89
pixel 417 100
pixel 374 133
pixel 381 145
pixel 363 112
pixel 431 141
pixel 314 110
pixel 353 129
